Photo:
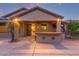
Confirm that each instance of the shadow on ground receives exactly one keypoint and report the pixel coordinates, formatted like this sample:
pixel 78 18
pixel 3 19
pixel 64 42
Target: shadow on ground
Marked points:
pixel 59 45
pixel 56 44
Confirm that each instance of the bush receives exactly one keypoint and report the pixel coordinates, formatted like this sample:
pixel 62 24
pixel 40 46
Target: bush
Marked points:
pixel 73 27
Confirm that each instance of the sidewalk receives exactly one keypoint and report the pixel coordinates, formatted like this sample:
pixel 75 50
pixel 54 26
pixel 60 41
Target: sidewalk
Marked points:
pixel 26 48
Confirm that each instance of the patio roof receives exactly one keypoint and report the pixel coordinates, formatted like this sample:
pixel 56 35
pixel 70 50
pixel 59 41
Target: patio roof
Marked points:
pixel 15 12
pixel 22 11
pixel 41 9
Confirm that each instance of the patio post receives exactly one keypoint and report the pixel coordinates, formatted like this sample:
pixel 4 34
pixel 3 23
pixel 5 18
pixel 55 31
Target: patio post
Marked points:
pixel 58 29
pixel 14 29
pixel 58 25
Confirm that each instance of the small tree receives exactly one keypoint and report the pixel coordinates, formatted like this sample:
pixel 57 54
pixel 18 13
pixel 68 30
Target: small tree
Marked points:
pixel 73 28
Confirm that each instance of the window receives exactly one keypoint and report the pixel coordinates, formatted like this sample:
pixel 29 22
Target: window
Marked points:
pixel 43 27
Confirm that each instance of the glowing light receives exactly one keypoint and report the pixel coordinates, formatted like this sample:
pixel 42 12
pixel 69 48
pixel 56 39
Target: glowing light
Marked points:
pixel 58 20
pixel 33 29
pixel 15 21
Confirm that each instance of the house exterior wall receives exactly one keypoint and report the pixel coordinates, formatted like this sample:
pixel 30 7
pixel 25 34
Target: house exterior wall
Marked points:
pixel 37 16
pixel 41 18
pixel 3 27
pixel 40 38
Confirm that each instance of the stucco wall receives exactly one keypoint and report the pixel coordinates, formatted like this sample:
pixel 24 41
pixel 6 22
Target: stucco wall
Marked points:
pixel 37 16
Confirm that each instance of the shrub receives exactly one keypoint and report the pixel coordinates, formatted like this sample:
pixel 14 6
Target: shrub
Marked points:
pixel 73 27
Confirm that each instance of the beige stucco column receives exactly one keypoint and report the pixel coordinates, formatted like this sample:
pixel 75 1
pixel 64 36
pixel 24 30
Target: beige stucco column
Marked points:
pixel 58 25
pixel 16 32
pixel 15 21
pixel 58 37
pixel 33 27
pixel 22 33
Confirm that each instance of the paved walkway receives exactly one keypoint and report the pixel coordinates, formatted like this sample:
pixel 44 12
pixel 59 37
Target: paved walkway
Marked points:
pixel 25 48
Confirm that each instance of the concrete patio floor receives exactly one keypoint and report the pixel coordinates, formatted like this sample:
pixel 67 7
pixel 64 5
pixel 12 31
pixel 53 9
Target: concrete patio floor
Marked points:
pixel 25 48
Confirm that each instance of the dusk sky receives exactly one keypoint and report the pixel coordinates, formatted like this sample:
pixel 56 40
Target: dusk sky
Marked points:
pixel 69 11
